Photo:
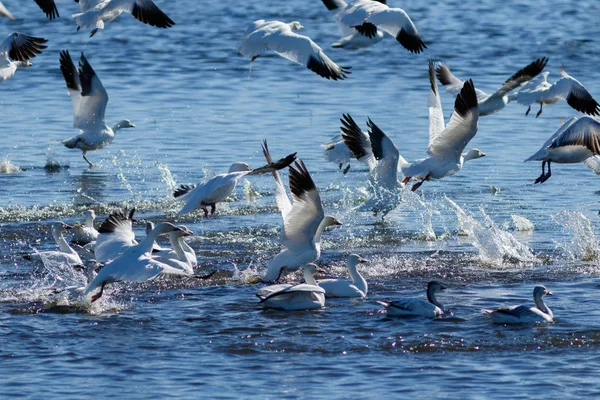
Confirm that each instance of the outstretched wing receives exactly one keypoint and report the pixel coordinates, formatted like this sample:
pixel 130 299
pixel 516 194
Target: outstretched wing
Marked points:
pixel 21 47
pixel 522 76
pixel 434 103
pixel 281 198
pixel 143 10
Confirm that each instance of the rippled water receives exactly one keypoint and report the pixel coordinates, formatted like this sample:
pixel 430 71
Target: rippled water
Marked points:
pixel 488 233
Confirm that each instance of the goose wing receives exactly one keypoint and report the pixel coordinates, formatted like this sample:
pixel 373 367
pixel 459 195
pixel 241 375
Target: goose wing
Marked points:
pixel 522 76
pixel 541 152
pixel 49 8
pixel 21 47
pixel 571 90
pixel 115 235
pixel 452 84
pixel 434 103
pixel 281 198
pixel 145 11
pixel 583 132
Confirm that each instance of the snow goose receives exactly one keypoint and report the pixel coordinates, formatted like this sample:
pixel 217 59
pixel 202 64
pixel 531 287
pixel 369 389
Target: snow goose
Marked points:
pixel 357 287
pixel 367 15
pixel 15 52
pixel 337 152
pixel 49 8
pixel 429 308
pixel 524 314
pixel 5 13
pixel 280 37
pixel 181 255
pixel 577 140
pixel 491 103
pixel 84 232
pixel 446 145
pixel 566 88
pixel 217 189
pixel 89 100
pixel 94 13
pixel 351 38
pixel 135 264
pixel 66 254
pixel 115 236
pixel 305 296
pixel 303 222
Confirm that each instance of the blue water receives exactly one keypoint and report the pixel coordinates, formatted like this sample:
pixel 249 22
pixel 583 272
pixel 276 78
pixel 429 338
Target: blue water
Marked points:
pixel 198 108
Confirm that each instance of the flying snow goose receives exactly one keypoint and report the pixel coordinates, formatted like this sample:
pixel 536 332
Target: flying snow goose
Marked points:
pixel 66 254
pixel 217 189
pixel 351 39
pixel 181 255
pixel 491 103
pixel 84 232
pixel 577 140
pixel 430 308
pixel 115 236
pixel 356 287
pixel 280 37
pixel 135 264
pixel 5 13
pixel 15 52
pixel 94 13
pixel 367 15
pixel 304 221
pixel 446 143
pixel 337 152
pixel 305 296
pixel 89 100
pixel 524 314
pixel 49 8
pixel 566 88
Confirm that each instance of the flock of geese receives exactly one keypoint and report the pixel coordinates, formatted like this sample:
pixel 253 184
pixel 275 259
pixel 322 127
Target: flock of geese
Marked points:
pixel 362 23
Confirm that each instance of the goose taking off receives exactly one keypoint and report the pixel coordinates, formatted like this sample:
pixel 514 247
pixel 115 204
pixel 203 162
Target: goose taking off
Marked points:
pixel 89 100
pixel 491 103
pixel 305 296
pixel 446 143
pixel 94 13
pixel 217 189
pixel 429 308
pixel 304 221
pixel 577 140
pixel 351 38
pixel 356 287
pixel 524 314
pixel 367 15
pixel 116 235
pixel 280 37
pixel 15 52
pixel 566 88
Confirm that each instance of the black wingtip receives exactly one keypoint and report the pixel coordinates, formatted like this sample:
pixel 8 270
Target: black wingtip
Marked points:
pixel 367 29
pixel 69 71
pixel 466 99
pixel 351 134
pixel 443 74
pixel 328 70
pixel 432 81
pixel 411 42
pixel 49 8
pixel 115 219
pixel 152 15
pixel 376 135
pixel 300 180
pixel 86 74
pixel 183 189
pixel 29 48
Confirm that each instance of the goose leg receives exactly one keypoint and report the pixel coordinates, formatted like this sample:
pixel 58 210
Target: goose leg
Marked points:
pixel 539 179
pixel 406 179
pixel 94 31
pixel 539 112
pixel 547 175
pixel 88 161
pixel 346 169
pixel 205 211
pixel 418 185
pixel 528 109
pixel 99 294
pixel 213 208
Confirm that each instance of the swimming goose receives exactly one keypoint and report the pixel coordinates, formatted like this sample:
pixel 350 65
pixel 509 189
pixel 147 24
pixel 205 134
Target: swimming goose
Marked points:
pixel 351 39
pixel 429 308
pixel 446 144
pixel 94 13
pixel 49 8
pixel 524 314
pixel 89 100
pixel 217 189
pixel 66 254
pixel 135 264
pixel 84 232
pixel 577 140
pixel 304 221
pixel 115 236
pixel 305 296
pixel 367 15
pixel 356 287
pixel 15 52
pixel 5 13
pixel 566 88
pixel 181 255
pixel 491 103
pixel 280 37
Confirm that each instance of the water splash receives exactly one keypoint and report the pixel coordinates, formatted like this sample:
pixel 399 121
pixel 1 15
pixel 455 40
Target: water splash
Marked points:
pixel 495 246
pixel 167 177
pixel 522 224
pixel 7 167
pixel 583 244
pixel 251 194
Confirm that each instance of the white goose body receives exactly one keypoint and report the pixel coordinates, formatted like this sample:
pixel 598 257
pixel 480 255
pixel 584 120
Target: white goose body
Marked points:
pixel 115 236
pixel 181 256
pixel 305 296
pixel 351 39
pixel 66 255
pixel 524 314
pixel 356 287
pixel 85 232
pixel 429 308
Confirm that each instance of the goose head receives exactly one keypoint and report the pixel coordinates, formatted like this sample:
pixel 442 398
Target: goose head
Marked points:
pixel 541 291
pixel 90 216
pixel 60 227
pixel 123 124
pixel 295 25
pixel 239 167
pixel 330 221
pixel 473 154
pixel 309 271
pixel 354 259
pixel 432 288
